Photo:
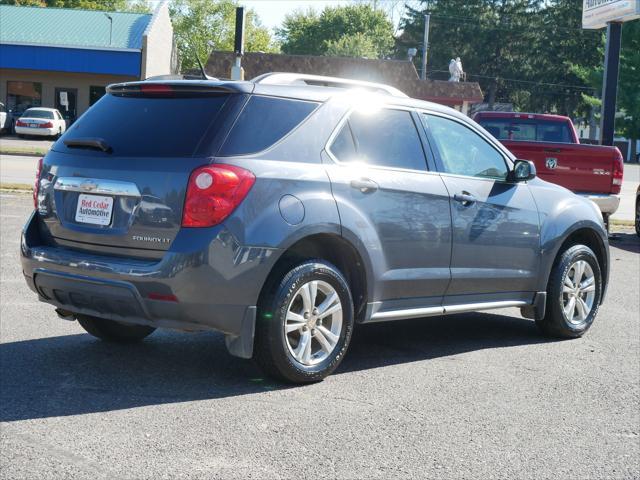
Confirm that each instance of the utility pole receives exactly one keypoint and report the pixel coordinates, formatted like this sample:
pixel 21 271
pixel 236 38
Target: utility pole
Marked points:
pixel 237 72
pixel 610 83
pixel 425 46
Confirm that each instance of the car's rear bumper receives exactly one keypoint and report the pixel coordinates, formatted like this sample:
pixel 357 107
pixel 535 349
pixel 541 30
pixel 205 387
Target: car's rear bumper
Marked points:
pixel 49 132
pixel 205 284
pixel 607 203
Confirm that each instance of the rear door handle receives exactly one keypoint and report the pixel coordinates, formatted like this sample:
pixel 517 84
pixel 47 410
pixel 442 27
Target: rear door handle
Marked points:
pixel 465 198
pixel 553 150
pixel 365 185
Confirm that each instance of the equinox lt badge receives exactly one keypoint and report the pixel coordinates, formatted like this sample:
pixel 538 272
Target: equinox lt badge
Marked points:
pixel 144 238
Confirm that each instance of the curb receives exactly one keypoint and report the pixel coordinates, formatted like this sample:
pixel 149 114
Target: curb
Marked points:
pixel 16 188
pixel 39 153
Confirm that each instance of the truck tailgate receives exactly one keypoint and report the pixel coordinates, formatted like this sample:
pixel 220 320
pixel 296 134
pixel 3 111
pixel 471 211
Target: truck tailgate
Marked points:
pixel 580 168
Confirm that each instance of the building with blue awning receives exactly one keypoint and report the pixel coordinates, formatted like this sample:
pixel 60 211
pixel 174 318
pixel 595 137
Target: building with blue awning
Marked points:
pixel 64 58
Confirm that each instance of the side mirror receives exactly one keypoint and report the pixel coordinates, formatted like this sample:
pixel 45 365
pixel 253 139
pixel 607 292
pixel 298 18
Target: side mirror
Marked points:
pixel 523 170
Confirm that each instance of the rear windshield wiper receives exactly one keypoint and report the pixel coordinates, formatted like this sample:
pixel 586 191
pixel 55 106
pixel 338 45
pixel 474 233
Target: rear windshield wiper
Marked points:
pixel 88 142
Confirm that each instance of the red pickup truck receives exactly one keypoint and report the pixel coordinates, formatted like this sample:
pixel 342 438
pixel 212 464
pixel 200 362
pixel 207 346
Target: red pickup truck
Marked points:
pixel 551 142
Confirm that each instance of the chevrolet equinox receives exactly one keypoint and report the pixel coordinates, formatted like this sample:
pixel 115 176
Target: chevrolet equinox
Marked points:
pixel 282 211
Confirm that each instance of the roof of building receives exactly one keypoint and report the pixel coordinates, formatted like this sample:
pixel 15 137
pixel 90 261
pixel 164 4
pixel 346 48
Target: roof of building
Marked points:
pixel 397 73
pixel 66 27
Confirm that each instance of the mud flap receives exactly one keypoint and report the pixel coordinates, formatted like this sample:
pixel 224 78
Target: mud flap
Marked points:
pixel 242 345
pixel 537 310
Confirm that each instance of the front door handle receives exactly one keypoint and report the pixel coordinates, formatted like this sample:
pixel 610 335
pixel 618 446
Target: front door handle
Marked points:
pixel 465 198
pixel 365 185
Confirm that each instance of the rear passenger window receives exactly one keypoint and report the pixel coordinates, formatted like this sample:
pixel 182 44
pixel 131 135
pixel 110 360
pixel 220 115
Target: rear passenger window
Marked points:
pixel 264 121
pixel 387 138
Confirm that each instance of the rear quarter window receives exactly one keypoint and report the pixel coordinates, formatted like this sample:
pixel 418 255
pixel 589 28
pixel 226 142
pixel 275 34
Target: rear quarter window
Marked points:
pixel 263 122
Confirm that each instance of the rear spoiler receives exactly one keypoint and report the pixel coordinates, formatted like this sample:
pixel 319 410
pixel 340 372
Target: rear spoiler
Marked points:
pixel 160 87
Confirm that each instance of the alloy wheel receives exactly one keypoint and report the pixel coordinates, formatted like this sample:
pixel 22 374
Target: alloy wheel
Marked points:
pixel 313 323
pixel 578 292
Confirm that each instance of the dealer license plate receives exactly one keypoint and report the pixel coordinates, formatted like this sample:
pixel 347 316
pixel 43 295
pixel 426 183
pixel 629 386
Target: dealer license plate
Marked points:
pixel 94 209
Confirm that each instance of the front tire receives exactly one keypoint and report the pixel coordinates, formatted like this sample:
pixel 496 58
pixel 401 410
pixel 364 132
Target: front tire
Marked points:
pixel 573 294
pixel 112 331
pixel 305 323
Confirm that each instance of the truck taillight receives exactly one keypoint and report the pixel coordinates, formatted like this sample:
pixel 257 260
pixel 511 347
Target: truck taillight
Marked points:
pixel 618 172
pixel 214 191
pixel 36 185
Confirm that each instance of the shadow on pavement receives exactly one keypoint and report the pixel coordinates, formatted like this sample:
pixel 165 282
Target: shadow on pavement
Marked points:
pixel 625 241
pixel 76 374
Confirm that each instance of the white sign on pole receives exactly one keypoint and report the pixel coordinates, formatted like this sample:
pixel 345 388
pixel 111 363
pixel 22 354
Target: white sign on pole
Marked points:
pixel 64 99
pixel 597 13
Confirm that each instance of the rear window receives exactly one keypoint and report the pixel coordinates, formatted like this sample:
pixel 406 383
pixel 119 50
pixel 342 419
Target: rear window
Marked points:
pixel 149 126
pixel 263 122
pixel 527 130
pixel 33 113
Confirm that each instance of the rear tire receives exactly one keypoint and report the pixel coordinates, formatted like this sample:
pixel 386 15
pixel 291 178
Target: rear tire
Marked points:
pixel 112 331
pixel 305 322
pixel 638 217
pixel 572 302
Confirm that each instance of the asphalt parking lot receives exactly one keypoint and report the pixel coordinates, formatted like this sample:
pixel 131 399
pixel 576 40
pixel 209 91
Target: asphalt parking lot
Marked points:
pixel 474 396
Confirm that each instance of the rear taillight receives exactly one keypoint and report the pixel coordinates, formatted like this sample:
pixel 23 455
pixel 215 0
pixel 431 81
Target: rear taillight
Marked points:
pixel 618 172
pixel 20 123
pixel 36 185
pixel 214 191
pixel 46 125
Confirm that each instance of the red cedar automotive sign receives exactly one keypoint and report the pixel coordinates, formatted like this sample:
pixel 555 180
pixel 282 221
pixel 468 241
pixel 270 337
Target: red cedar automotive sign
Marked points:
pixel 597 13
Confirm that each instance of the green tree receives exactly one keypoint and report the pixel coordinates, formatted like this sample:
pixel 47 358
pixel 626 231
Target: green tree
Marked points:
pixel 356 45
pixel 629 84
pixel 201 26
pixel 355 28
pixel 628 99
pixel 107 5
pixel 520 51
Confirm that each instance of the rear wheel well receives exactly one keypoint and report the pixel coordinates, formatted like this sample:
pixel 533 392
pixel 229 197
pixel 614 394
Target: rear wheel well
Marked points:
pixel 588 237
pixel 333 249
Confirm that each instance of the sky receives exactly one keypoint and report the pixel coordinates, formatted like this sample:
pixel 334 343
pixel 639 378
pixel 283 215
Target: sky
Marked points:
pixel 272 12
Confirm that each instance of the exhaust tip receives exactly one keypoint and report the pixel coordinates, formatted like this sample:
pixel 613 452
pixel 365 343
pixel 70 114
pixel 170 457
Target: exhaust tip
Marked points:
pixel 65 314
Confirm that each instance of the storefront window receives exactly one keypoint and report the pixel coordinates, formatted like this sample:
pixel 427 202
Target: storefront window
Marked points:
pixel 95 94
pixel 23 95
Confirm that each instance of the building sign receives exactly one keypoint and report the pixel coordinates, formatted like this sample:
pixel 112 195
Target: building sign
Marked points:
pixel 64 100
pixel 597 13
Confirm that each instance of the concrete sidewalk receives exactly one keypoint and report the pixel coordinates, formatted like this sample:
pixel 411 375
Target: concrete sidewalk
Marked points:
pixel 630 182
pixel 12 141
pixel 18 170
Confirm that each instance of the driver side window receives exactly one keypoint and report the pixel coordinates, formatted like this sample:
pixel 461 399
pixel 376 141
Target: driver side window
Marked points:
pixel 463 151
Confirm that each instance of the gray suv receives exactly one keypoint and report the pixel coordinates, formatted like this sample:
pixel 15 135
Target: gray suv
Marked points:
pixel 284 210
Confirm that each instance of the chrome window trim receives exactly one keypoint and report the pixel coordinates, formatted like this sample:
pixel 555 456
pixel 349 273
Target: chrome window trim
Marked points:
pixel 97 186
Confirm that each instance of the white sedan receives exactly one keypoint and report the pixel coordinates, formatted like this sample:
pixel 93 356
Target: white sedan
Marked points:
pixel 41 121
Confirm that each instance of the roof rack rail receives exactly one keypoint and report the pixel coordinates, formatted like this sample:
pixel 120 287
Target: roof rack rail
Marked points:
pixel 282 78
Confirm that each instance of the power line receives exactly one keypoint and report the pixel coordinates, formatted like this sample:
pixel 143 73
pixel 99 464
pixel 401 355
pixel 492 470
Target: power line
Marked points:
pixel 515 26
pixel 530 82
